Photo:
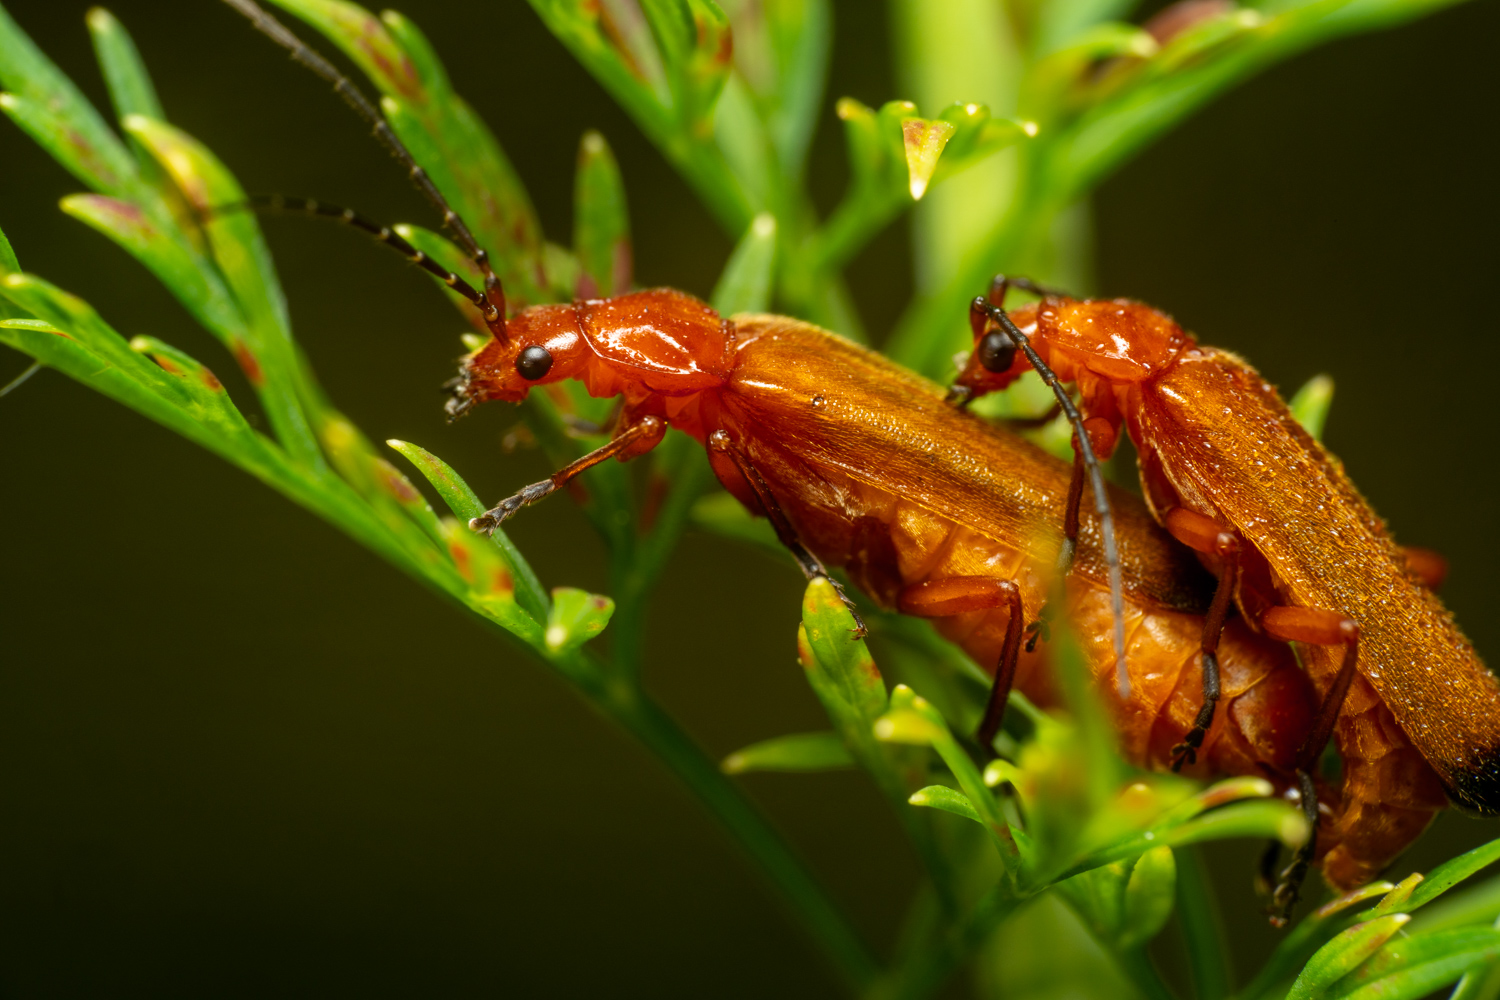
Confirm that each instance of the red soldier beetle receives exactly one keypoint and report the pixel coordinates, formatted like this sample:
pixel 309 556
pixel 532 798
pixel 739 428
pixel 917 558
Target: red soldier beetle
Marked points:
pixel 1228 470
pixel 860 463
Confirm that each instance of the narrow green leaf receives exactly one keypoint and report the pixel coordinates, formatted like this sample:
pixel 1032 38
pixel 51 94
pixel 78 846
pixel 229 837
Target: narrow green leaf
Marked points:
pixel 1306 937
pixel 263 346
pixel 77 320
pixel 1398 899
pixel 1258 819
pixel 838 664
pixel 1448 874
pixel 745 284
pixel 1149 897
pixel 601 221
pixel 489 583
pixel 57 349
pixel 1201 921
pixel 129 84
pixel 576 617
pixel 913 720
pixel 202 388
pixel 947 800
pixel 1311 403
pixel 364 39
pixel 8 265
pixel 628 68
pixel 445 252
pixel 821 751
pixel 168 256
pixel 693 40
pixel 466 505
pixel 46 104
pixel 1343 954
pixel 1414 949
pixel 782 54
pixel 447 138
pixel 8 261
pixel 421 59
pixel 1413 967
pixel 468 166
pixel 1479 904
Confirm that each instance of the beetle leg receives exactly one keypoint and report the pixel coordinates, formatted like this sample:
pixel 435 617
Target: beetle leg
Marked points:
pixel 1426 565
pixel 957 595
pixel 812 567
pixel 1324 628
pixel 1103 436
pixel 635 439
pixel 1204 534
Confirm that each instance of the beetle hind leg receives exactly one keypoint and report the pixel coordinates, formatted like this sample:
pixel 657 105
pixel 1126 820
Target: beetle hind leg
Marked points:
pixel 1322 628
pixel 961 594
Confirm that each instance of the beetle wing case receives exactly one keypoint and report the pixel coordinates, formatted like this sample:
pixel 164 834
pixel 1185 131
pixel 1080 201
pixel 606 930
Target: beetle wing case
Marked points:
pixel 1214 419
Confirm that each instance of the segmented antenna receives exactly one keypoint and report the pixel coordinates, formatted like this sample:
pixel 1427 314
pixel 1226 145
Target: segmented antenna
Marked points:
pixel 982 307
pixel 492 302
pixel 275 203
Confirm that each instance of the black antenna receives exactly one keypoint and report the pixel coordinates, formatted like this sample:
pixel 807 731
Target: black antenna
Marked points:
pixel 982 309
pixel 275 203
pixel 492 303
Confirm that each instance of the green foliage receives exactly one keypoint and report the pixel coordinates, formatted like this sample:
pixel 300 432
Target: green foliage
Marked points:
pixel 1062 825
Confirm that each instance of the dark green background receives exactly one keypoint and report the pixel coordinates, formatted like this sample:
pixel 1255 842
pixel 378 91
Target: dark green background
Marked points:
pixel 241 756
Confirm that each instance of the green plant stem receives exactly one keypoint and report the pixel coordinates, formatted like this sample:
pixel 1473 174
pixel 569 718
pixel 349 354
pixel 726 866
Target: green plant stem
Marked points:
pixel 1137 965
pixel 927 968
pixel 809 904
pixel 1202 930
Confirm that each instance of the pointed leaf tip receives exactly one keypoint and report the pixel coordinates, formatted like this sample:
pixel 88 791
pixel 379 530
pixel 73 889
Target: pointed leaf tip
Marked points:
pixel 575 618
pixel 924 141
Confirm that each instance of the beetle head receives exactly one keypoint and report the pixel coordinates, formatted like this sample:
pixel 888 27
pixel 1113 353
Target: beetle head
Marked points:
pixel 542 344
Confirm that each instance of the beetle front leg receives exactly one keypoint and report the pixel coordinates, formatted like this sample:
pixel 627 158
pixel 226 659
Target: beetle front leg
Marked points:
pixel 812 567
pixel 635 438
pixel 1206 535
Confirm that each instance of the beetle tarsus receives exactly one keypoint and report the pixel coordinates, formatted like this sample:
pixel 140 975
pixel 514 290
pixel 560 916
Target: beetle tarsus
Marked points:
pixel 1289 886
pixel 860 629
pixel 1186 752
pixel 491 519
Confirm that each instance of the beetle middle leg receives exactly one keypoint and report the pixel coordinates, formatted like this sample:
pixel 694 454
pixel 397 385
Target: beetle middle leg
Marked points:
pixel 635 438
pixel 1322 628
pixel 1204 534
pixel 959 594
pixel 812 567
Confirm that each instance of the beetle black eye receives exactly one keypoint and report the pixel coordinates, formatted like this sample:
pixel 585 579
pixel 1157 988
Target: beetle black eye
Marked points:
pixel 534 363
pixel 997 351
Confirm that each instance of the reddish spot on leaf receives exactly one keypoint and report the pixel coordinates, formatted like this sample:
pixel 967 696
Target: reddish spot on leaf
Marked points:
pixel 248 364
pixel 402 74
pixel 598 602
pixel 461 561
pixel 92 161
pixel 211 380
pixel 1179 17
pixel 503 583
pixel 397 486
pixel 587 287
pixel 167 366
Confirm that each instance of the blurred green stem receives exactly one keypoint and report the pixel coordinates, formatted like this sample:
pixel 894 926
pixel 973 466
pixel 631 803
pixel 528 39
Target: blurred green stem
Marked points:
pixel 625 703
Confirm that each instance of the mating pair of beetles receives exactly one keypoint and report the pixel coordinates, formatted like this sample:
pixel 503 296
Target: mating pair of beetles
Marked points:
pixel 862 465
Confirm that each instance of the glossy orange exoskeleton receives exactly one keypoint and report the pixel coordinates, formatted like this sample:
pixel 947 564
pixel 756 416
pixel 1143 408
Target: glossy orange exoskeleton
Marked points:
pixel 861 465
pixel 1228 470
